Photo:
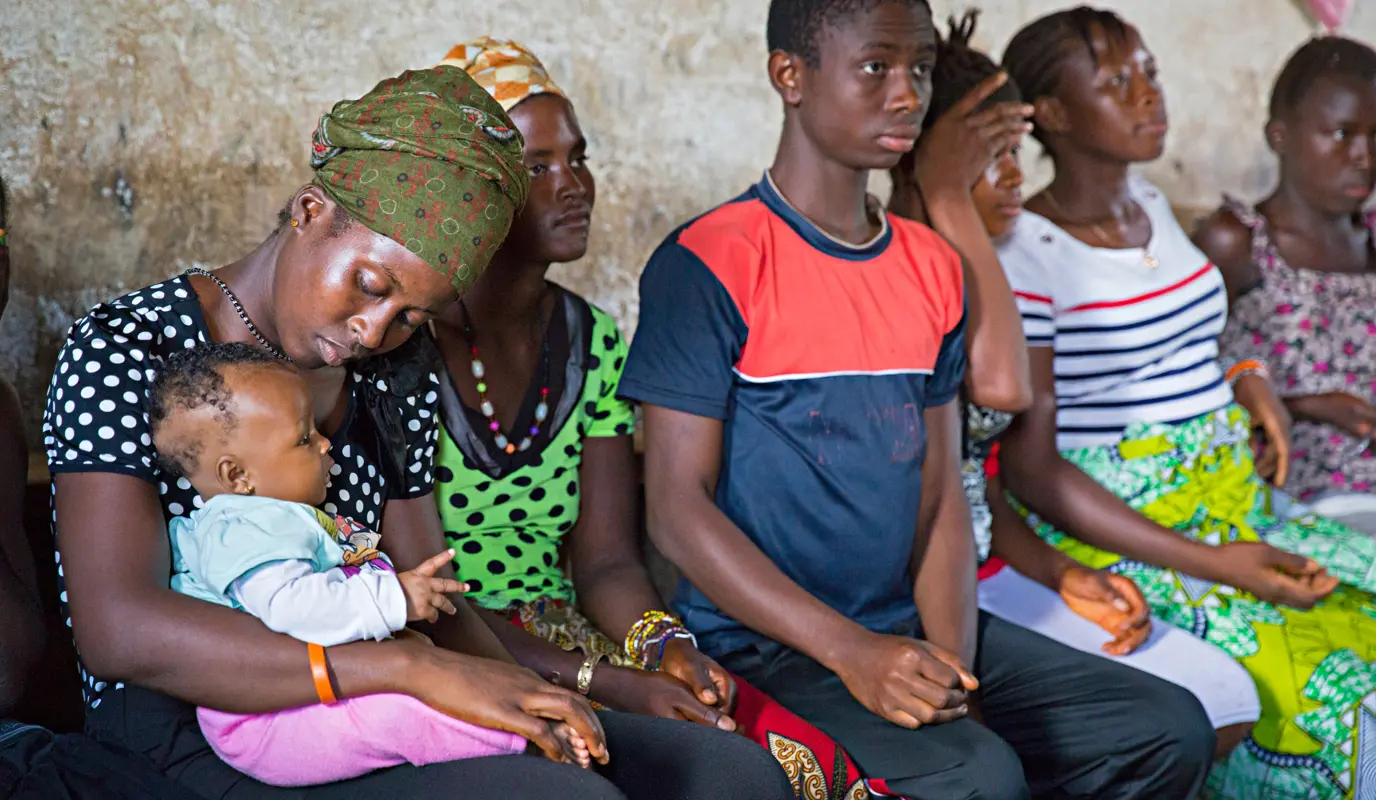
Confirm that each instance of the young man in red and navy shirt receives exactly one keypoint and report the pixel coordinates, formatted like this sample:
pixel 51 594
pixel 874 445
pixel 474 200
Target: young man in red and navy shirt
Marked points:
pixel 799 356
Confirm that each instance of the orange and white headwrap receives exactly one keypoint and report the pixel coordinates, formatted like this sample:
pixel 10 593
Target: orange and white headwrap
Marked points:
pixel 506 69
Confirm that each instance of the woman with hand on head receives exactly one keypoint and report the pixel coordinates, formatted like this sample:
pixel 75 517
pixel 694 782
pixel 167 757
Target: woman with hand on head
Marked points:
pixel 1137 447
pixel 1300 269
pixel 415 187
pixel 967 162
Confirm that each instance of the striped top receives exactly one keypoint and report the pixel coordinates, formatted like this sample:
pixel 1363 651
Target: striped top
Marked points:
pixel 1133 343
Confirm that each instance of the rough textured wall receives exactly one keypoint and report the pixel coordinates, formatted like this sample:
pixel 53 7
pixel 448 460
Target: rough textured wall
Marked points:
pixel 141 136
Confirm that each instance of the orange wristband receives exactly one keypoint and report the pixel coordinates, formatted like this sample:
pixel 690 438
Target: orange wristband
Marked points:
pixel 320 672
pixel 1246 365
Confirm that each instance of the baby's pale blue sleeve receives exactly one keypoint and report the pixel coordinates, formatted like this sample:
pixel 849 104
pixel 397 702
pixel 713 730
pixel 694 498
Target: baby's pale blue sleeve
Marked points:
pixel 228 543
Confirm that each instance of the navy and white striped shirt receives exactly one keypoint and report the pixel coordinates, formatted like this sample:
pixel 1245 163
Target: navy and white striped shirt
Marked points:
pixel 1133 343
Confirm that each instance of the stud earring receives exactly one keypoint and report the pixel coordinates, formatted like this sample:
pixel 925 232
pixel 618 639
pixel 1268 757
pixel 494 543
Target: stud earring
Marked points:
pixel 295 224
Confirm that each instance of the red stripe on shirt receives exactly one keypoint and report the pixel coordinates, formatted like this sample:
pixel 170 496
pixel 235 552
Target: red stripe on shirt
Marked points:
pixel 1207 268
pixel 1036 298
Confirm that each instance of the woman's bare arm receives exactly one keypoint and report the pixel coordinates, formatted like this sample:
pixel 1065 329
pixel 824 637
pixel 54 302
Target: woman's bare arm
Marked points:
pixel 605 553
pixel 1020 546
pixel 953 154
pixel 1072 501
pixel 997 376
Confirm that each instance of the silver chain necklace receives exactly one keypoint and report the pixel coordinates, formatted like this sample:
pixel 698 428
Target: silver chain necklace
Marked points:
pixel 243 315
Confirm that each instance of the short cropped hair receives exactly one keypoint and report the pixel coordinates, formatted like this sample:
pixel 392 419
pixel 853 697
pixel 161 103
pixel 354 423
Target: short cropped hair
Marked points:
pixel 795 26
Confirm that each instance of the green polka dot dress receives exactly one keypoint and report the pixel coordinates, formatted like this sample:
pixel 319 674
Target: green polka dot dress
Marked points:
pixel 506 526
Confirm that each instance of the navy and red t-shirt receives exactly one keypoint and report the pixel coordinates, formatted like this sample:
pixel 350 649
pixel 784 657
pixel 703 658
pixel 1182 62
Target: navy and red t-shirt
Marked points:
pixel 820 357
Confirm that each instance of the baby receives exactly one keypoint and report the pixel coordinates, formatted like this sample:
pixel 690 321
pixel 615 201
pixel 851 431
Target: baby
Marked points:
pixel 238 424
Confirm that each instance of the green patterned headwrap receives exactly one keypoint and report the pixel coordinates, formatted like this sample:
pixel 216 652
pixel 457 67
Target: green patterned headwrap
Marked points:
pixel 429 160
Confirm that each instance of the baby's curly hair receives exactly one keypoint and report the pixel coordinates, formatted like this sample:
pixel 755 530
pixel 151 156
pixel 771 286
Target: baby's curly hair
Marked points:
pixel 192 379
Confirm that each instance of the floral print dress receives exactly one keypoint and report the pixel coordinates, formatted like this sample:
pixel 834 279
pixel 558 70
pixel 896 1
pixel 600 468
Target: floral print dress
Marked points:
pixel 1316 331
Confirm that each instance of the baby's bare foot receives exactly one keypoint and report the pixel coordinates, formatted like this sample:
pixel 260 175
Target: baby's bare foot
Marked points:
pixel 574 744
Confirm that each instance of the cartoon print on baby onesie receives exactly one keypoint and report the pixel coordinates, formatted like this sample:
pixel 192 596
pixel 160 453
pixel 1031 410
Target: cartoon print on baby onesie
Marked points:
pixel 359 543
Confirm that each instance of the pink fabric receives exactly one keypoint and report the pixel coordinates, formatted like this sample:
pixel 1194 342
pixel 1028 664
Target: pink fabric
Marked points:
pixel 1314 331
pixel 1332 13
pixel 321 744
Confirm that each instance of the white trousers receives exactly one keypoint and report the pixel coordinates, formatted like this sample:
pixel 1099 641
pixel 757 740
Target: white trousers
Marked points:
pixel 1222 685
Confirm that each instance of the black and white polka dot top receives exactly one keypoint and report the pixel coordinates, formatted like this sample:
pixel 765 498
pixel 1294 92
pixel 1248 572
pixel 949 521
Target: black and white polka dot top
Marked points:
pixel 96 419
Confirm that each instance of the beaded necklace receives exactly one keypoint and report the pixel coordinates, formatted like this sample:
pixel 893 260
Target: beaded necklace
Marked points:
pixel 243 315
pixel 480 372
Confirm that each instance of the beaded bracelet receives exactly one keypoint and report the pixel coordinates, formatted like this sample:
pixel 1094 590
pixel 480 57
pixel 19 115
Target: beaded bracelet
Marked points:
pixel 642 629
pixel 680 634
pixel 655 644
pixel 1247 366
pixel 654 628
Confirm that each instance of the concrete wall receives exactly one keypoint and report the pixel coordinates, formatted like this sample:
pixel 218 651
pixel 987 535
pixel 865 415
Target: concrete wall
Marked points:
pixel 142 136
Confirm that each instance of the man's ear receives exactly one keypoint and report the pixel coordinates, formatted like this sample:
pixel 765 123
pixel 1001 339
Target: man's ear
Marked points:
pixel 787 73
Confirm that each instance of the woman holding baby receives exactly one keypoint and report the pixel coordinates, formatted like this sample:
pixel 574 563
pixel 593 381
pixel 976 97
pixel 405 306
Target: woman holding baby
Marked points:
pixel 415 187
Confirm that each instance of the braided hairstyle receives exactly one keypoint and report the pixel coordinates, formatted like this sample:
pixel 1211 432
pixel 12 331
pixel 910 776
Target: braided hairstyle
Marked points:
pixel 959 68
pixel 794 26
pixel 1318 58
pixel 1035 57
